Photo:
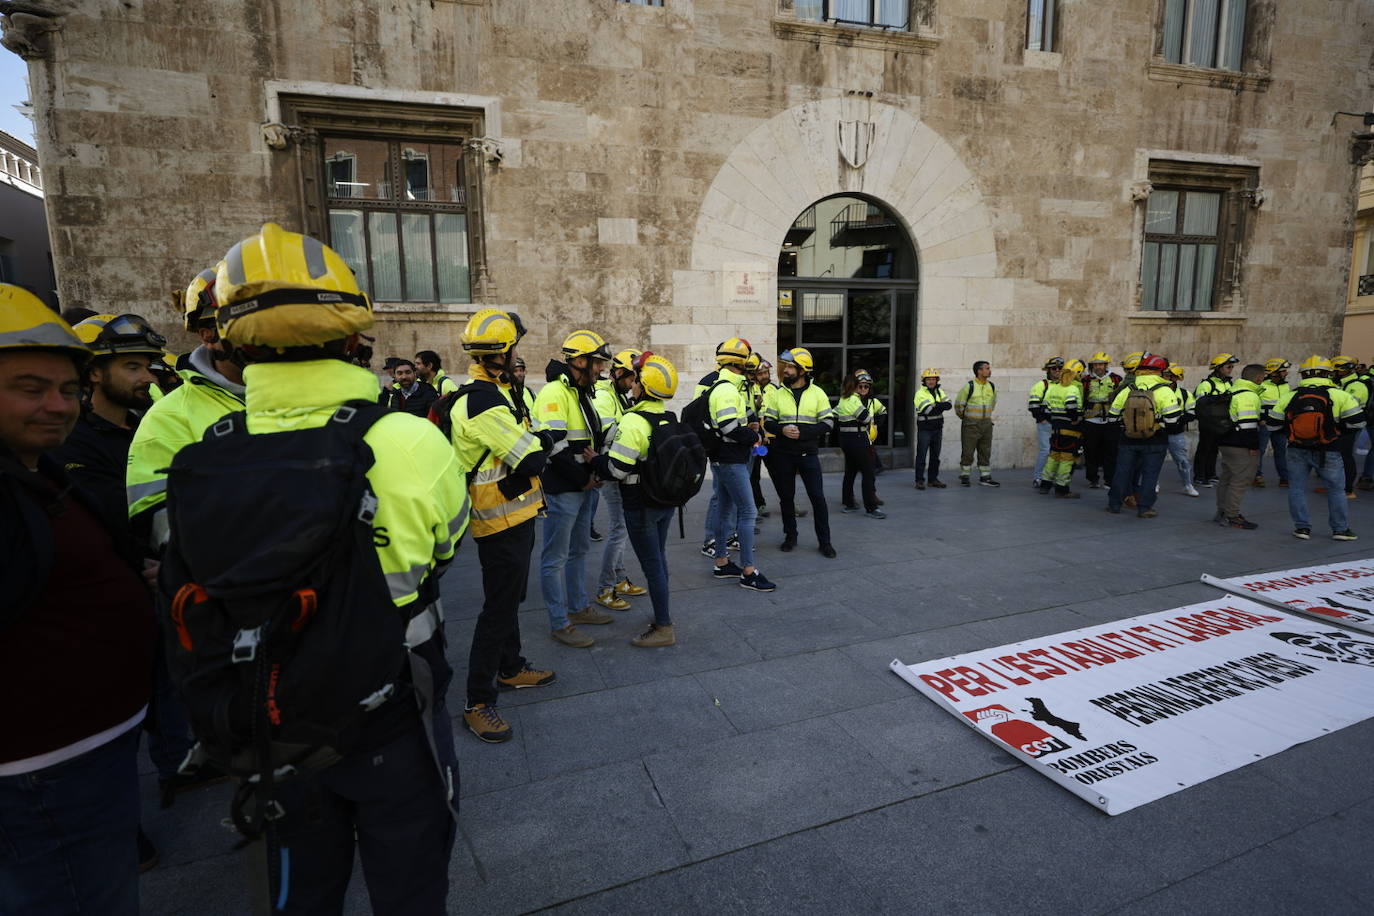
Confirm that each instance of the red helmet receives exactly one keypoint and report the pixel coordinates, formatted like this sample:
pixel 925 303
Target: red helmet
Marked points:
pixel 1154 361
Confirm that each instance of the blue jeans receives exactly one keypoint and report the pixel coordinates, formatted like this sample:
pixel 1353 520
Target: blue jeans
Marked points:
pixel 1136 462
pixel 713 516
pixel 68 835
pixel 1279 438
pixel 1178 451
pixel 613 557
pixel 736 504
pixel 1043 432
pixel 562 564
pixel 648 528
pixel 170 738
pixel 1330 468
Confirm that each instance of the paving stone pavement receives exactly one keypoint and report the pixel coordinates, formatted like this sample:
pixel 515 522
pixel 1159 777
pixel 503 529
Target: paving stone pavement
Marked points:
pixel 769 762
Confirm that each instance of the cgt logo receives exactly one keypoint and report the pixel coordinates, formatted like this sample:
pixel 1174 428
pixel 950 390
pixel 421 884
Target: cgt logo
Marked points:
pixel 1027 737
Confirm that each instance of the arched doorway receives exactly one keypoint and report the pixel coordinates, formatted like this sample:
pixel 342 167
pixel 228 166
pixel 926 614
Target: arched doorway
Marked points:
pixel 847 284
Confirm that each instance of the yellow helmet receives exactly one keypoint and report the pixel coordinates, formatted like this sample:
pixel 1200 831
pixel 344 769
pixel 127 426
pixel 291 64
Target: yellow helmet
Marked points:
pixel 1342 363
pixel 108 335
pixel 929 373
pixel 799 357
pixel 1223 359
pixel 1054 362
pixel 284 289
pixel 27 324
pixel 625 359
pixel 1175 370
pixel 657 376
pixel 199 302
pixel 1315 363
pixel 1075 366
pixel 1277 364
pixel 1132 361
pixel 733 352
pixel 753 362
pixel 167 362
pixel 492 331
pixel 586 343
pixel 1099 357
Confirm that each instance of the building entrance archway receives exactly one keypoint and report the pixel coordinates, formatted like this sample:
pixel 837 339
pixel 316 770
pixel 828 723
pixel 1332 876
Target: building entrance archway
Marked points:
pixel 847 292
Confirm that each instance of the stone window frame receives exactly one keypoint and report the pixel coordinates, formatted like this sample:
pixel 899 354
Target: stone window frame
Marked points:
pixel 921 36
pixel 310 118
pixel 1256 54
pixel 1049 25
pixel 1238 182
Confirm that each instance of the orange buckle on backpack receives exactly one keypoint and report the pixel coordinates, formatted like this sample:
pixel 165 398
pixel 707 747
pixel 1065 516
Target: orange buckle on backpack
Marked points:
pixel 309 602
pixel 188 592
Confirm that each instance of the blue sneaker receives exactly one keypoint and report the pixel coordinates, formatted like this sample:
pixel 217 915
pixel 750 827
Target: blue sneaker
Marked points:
pixel 728 571
pixel 756 581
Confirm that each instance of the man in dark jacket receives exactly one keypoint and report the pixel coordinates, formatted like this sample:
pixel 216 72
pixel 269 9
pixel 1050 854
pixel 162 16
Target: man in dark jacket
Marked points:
pixel 799 417
pixel 76 641
pixel 410 393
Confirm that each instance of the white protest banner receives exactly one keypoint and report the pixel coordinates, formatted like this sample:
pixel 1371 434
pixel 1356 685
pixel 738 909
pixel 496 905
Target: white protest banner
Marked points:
pixel 1124 713
pixel 1340 593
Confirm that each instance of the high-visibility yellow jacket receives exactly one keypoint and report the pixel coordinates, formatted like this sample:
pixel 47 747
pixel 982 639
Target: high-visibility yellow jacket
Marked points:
pixel 857 418
pixel 807 408
pixel 1097 395
pixel 1212 384
pixel 1357 387
pixel 1064 403
pixel 1245 415
pixel 1344 407
pixel 1168 408
pixel 1270 391
pixel 630 447
pixel 931 404
pixel 443 383
pixel 610 404
pixel 566 413
pixel 175 421
pixel 499 454
pixel 1035 400
pixel 976 400
pixel 728 410
pixel 422 505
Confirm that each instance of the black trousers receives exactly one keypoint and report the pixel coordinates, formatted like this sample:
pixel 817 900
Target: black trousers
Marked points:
pixel 505 559
pixel 755 483
pixel 928 441
pixel 1099 451
pixel 1205 458
pixel 392 801
pixel 784 469
pixel 1346 445
pixel 858 461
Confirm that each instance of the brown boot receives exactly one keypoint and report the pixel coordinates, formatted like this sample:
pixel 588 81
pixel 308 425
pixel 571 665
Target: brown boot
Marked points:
pixel 590 615
pixel 486 723
pixel 572 636
pixel 656 637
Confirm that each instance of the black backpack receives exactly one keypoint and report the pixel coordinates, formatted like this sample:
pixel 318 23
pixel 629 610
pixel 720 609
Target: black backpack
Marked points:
pixel 281 633
pixel 1213 412
pixel 696 416
pixel 672 472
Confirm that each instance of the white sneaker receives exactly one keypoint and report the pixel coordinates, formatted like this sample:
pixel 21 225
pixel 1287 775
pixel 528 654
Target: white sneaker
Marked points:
pixel 1190 490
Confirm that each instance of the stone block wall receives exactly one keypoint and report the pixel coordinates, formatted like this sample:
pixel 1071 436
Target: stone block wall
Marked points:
pixel 649 152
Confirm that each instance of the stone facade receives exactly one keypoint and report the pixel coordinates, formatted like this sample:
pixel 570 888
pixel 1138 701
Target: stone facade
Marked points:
pixel 641 158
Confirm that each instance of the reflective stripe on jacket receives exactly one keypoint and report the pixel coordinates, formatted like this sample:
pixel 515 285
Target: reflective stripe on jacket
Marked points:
pixel 491 442
pixel 976 400
pixel 175 421
pixel 422 505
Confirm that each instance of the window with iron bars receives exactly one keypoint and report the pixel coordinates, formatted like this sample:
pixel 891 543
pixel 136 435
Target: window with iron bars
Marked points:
pixel 886 14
